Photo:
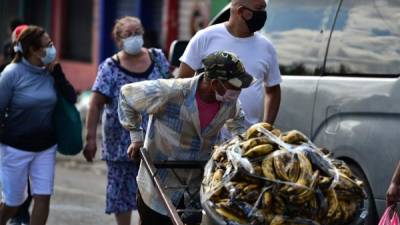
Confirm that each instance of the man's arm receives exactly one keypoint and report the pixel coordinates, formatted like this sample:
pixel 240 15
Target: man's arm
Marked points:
pixel 272 102
pixel 144 97
pixel 185 71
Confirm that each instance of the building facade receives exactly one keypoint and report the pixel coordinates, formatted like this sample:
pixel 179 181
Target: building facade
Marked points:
pixel 81 29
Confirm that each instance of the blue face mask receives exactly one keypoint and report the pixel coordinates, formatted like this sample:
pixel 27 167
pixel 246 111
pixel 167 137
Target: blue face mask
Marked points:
pixel 133 44
pixel 50 55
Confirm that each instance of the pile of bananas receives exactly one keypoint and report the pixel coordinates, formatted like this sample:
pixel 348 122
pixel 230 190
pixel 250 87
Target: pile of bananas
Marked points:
pixel 267 177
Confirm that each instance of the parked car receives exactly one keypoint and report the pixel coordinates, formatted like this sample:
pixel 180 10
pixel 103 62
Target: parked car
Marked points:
pixel 340 61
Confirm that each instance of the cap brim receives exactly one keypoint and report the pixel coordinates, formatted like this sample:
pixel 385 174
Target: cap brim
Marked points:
pixel 245 81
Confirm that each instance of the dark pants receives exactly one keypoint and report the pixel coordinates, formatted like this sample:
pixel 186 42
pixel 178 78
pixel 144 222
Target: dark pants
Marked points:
pixel 149 216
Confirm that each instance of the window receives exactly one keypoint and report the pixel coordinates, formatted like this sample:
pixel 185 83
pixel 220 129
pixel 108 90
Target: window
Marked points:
pixel 77 33
pixel 298 30
pixel 366 39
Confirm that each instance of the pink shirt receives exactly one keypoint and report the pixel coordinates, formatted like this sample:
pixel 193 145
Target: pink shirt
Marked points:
pixel 207 111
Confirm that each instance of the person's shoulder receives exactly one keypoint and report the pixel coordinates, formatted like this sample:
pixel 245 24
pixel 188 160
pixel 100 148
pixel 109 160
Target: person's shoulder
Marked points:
pixel 106 64
pixel 263 39
pixel 108 61
pixel 11 71
pixel 216 28
pixel 157 52
pixel 264 42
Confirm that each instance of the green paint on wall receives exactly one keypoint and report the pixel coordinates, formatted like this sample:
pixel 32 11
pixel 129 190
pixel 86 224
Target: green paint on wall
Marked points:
pixel 217 5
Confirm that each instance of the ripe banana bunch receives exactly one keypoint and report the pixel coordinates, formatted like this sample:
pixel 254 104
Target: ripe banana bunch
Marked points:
pixel 287 187
pixel 294 137
pixel 253 130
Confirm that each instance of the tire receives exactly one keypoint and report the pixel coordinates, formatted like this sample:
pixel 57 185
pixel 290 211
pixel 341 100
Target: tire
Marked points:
pixel 372 218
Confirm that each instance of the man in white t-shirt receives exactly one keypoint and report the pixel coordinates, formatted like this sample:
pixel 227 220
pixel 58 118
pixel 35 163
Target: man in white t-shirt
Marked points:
pixel 261 101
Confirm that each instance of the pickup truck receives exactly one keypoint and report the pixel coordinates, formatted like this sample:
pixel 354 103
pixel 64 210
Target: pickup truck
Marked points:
pixel 340 63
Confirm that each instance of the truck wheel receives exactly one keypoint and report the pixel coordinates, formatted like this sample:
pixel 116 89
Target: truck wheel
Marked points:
pixel 372 218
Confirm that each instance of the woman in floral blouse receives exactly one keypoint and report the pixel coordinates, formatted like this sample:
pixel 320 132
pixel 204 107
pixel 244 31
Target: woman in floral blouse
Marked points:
pixel 132 63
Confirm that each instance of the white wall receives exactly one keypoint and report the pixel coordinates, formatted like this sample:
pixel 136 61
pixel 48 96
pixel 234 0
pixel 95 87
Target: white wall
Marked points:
pixel 186 9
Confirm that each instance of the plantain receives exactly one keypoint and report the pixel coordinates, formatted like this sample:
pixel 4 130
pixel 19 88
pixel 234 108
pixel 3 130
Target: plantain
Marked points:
pixel 229 215
pixel 281 157
pixel 239 185
pixel 349 185
pixel 258 170
pixel 268 168
pixel 267 200
pixel 278 220
pixel 276 132
pixel 252 142
pixel 349 209
pixel 333 202
pixel 259 150
pixel 218 154
pixel 279 205
pixel 294 137
pixel 253 130
pixel 217 177
pixel 304 176
pixel 250 187
pixel 293 168
pixel 307 193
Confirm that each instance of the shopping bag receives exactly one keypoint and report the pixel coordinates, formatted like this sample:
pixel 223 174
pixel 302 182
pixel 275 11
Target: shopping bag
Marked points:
pixel 386 220
pixel 68 127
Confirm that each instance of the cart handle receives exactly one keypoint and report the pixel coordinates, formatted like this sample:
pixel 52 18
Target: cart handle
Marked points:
pixel 167 201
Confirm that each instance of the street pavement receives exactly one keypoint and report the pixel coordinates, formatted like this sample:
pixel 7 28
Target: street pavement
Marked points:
pixel 79 197
pixel 80 189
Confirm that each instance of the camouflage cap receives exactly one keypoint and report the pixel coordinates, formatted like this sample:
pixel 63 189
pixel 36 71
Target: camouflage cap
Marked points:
pixel 226 66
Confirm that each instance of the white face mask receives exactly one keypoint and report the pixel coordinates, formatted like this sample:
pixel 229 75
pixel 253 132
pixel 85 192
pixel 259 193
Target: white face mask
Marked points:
pixel 133 44
pixel 229 96
pixel 50 56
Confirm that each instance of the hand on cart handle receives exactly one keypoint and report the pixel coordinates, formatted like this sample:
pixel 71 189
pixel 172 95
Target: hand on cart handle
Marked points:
pixel 133 150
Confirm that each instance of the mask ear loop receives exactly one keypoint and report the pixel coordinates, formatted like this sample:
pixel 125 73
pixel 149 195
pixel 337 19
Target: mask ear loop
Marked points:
pixel 18 47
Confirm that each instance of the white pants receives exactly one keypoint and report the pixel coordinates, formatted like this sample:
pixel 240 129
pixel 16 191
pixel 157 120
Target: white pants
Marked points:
pixel 17 165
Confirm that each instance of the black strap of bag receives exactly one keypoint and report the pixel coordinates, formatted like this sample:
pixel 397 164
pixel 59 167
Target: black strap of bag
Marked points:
pixel 62 85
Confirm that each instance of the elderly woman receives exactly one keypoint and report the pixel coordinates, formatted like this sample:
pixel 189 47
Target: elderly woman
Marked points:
pixel 132 63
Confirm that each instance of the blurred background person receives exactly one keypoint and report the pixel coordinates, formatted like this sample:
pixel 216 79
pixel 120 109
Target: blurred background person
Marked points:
pixel 133 63
pixel 28 141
